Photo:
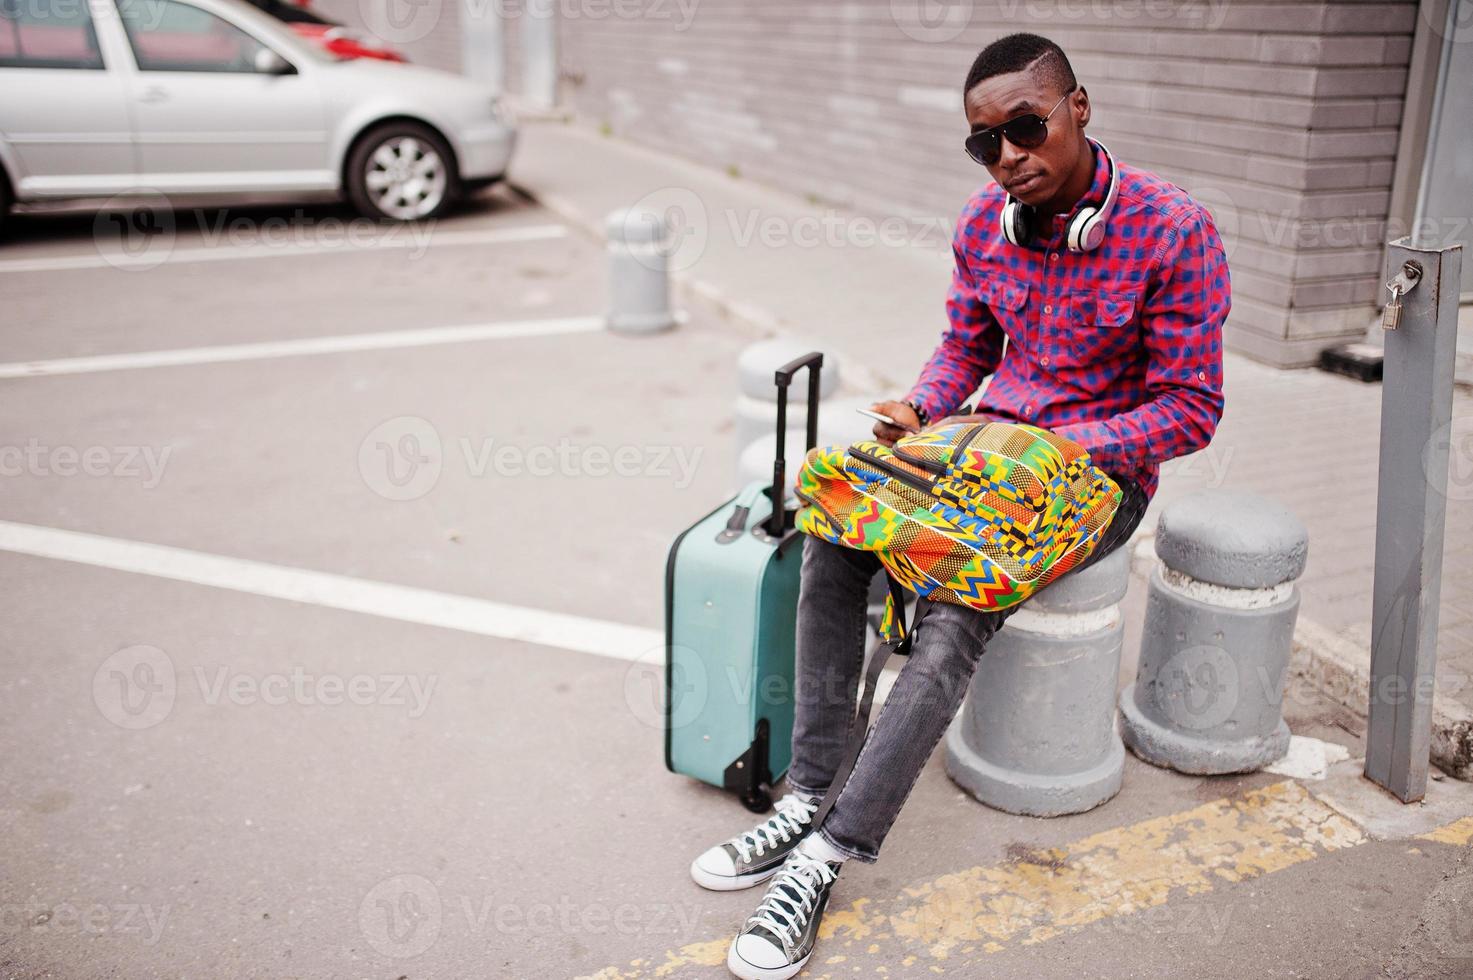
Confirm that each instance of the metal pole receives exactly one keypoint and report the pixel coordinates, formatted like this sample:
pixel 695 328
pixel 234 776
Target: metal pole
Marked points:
pixel 1411 513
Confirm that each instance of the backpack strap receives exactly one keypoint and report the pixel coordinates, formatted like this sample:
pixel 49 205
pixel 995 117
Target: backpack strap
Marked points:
pixel 897 644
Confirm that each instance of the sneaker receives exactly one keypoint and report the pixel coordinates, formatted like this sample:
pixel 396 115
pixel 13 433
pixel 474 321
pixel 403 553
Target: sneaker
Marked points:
pixel 779 937
pixel 751 858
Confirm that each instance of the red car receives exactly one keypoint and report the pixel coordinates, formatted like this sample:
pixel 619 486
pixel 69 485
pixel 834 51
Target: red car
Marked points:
pixel 338 40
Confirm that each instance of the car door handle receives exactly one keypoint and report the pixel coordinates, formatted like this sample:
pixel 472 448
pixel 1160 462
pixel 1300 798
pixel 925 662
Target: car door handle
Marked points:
pixel 153 94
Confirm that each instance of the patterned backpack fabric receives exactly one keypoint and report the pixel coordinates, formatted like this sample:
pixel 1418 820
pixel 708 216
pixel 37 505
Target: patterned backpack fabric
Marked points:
pixel 975 514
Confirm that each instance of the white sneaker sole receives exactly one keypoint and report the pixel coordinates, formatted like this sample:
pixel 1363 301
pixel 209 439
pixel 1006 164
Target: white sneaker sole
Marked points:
pixel 741 968
pixel 729 883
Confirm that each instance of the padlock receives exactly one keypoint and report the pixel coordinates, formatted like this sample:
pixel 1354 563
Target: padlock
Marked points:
pixel 1391 316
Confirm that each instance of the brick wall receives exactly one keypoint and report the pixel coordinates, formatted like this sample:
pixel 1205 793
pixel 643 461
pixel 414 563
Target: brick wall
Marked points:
pixel 1281 116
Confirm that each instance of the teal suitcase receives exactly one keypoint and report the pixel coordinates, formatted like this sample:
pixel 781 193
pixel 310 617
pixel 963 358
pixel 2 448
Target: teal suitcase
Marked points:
pixel 731 603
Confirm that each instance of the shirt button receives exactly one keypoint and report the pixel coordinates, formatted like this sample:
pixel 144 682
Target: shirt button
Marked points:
pixel 1201 376
pixel 1048 309
pixel 1045 362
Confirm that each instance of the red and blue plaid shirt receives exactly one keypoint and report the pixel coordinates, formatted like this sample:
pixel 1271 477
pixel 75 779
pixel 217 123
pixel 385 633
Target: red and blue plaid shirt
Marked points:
pixel 1119 349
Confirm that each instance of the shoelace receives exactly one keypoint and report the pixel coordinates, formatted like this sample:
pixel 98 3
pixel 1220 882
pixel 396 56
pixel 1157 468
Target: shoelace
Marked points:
pixel 792 814
pixel 791 896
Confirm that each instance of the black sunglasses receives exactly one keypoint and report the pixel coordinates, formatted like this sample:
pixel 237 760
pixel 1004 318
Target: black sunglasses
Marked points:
pixel 1027 131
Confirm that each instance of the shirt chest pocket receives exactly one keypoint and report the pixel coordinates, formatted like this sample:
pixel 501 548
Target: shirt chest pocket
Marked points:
pixel 1099 326
pixel 1008 300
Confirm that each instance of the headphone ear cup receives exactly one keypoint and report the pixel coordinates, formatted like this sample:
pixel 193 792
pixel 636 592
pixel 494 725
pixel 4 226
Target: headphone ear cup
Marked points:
pixel 1081 231
pixel 1017 223
pixel 1005 221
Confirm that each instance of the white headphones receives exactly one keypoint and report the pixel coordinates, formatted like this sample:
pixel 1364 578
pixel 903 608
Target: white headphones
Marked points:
pixel 1086 227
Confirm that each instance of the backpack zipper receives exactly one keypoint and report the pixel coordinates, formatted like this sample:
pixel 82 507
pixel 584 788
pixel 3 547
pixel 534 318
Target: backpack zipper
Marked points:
pixel 821 508
pixel 910 479
pixel 939 468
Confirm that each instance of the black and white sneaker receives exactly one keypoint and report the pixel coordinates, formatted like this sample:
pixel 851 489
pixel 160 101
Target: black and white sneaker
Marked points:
pixel 779 937
pixel 751 858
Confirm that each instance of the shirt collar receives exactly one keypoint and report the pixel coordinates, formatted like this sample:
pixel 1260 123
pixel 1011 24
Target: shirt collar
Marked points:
pixel 1099 187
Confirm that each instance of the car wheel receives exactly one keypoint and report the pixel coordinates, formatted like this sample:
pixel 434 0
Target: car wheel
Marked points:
pixel 4 202
pixel 402 171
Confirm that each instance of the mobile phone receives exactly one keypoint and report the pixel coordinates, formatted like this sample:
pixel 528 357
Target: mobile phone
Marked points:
pixel 886 419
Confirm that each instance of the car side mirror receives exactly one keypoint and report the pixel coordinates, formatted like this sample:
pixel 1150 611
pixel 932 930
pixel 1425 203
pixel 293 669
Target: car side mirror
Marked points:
pixel 268 62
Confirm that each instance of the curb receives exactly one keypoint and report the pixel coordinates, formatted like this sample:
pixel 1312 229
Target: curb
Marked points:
pixel 1340 668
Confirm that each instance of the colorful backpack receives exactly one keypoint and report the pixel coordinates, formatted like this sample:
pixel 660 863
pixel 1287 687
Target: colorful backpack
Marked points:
pixel 979 514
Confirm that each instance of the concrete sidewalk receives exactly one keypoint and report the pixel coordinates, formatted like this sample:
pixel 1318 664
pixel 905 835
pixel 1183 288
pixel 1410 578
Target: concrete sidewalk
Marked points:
pixel 870 289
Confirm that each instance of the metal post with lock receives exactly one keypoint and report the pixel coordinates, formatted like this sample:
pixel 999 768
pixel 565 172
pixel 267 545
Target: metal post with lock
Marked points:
pixel 1420 324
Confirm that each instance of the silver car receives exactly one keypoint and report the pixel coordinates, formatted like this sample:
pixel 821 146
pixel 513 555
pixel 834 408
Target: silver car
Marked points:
pixel 212 98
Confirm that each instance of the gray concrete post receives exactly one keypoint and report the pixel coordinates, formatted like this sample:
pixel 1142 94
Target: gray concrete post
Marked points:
pixel 639 281
pixel 1220 612
pixel 1411 518
pixel 1036 734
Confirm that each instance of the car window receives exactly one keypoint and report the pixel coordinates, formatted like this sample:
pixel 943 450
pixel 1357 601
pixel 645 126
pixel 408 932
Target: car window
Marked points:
pixel 170 36
pixel 47 34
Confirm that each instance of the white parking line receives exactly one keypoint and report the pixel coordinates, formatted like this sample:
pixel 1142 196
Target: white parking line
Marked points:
pixel 385 340
pixel 482 617
pixel 151 258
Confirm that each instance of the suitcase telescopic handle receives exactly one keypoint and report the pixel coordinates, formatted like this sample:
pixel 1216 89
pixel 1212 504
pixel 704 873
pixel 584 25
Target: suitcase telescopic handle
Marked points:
pixel 783 377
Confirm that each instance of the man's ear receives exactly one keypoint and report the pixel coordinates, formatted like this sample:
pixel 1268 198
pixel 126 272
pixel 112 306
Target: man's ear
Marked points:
pixel 1081 107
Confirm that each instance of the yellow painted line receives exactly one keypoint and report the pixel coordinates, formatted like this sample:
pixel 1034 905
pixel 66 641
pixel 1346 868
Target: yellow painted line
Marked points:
pixel 1458 832
pixel 947 924
pixel 1116 872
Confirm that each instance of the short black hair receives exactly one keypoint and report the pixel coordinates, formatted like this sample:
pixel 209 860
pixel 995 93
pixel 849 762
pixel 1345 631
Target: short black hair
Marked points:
pixel 1017 52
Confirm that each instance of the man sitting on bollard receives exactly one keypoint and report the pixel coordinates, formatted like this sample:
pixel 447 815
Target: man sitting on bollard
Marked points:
pixel 1110 287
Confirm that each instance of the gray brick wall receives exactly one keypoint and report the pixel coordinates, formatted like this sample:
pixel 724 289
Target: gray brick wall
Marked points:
pixel 1282 117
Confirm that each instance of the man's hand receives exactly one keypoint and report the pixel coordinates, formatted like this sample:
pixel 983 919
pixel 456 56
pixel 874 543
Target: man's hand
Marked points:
pixel 900 412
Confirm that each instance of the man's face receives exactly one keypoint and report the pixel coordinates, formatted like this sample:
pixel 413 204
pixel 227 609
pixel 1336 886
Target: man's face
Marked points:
pixel 1036 176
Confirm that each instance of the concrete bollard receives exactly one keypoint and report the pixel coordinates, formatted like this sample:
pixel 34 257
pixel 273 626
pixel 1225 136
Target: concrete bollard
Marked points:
pixel 639 282
pixel 755 411
pixel 1036 734
pixel 838 425
pixel 1219 628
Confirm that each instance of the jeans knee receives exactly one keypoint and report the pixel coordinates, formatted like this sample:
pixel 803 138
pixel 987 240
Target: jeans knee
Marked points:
pixel 835 564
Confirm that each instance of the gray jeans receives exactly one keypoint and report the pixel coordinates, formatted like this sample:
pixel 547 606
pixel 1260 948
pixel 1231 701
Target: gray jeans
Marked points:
pixel 945 650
